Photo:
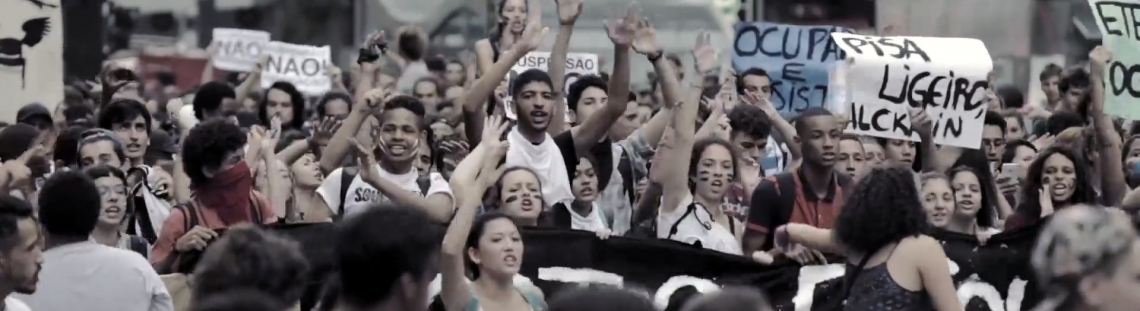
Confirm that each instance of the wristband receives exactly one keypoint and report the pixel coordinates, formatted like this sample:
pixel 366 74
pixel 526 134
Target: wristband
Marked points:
pixel 655 56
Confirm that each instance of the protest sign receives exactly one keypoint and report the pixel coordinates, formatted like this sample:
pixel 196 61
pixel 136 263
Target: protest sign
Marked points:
pixel 796 58
pixel 238 49
pixel 1116 20
pixel 946 77
pixel 31 56
pixel 302 65
pixel 577 65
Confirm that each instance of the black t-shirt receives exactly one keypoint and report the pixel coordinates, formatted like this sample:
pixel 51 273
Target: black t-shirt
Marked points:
pixel 602 152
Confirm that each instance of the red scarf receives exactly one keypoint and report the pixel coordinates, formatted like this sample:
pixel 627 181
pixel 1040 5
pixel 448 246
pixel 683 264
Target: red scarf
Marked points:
pixel 228 194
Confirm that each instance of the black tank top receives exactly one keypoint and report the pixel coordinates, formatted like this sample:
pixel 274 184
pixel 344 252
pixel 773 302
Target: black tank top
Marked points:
pixel 875 290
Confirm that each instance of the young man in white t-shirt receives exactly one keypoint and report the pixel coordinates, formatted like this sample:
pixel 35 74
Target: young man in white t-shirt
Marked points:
pixel 393 178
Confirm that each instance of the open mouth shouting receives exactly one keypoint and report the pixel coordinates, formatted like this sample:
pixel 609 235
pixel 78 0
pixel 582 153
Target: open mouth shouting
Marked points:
pixel 539 116
pixel 1059 189
pixel 511 260
pixel 527 204
pixel 967 204
pixel 113 211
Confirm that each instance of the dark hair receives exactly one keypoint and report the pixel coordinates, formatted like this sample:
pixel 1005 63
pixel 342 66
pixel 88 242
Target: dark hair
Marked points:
pixel 1011 149
pixel 12 210
pixel 242 299
pixel 528 77
pixel 331 96
pixel 749 120
pixel 406 102
pixel 1075 78
pixel 287 138
pixel 79 111
pixel 1031 186
pixel 497 31
pixel 380 245
pixel 754 71
pixel 69 205
pixel 121 111
pixel 209 98
pixel 883 208
pixel 246 119
pixel 1013 113
pixel 491 198
pixel 440 86
pixel 99 171
pixel 995 119
pixel 248 257
pixel 95 135
pixel 809 113
pixel 1011 96
pixel 67 145
pixel 730 299
pixel 477 228
pixel 988 205
pixel 1051 70
pixel 580 86
pixel 600 298
pixel 15 139
pixel 295 98
pixel 411 46
pixel 699 148
pixel 206 146
pixel 1061 121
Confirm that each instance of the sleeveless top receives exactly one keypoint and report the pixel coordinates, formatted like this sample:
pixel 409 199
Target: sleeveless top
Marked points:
pixel 875 290
pixel 533 300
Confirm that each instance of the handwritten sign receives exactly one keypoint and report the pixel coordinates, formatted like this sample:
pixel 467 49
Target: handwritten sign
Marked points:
pixel 944 76
pixel 797 59
pixel 238 49
pixel 31 55
pixel 302 65
pixel 577 65
pixel 1116 20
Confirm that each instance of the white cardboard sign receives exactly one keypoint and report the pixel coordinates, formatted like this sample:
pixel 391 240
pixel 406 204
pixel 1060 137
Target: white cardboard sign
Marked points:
pixel 31 59
pixel 238 49
pixel 944 76
pixel 302 65
pixel 577 65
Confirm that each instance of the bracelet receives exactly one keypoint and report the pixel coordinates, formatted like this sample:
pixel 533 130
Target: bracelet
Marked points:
pixel 656 56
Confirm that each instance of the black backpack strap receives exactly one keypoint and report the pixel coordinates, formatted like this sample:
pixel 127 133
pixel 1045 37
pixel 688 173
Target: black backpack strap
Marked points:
pixel 348 174
pixel 138 245
pixel 849 278
pixel 689 210
pixel 425 184
pixel 140 214
pixel 628 178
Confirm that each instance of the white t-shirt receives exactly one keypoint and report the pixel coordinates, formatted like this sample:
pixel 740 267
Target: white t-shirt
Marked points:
pixel 590 222
pixel 692 228
pixel 13 304
pixel 361 194
pixel 92 277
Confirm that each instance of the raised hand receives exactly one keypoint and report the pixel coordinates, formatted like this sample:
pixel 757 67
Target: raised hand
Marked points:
pixel 532 35
pixel 365 161
pixel 1100 55
pixel 920 121
pixel 645 39
pixel 493 129
pixel 704 54
pixel 568 11
pixel 373 100
pixel 621 31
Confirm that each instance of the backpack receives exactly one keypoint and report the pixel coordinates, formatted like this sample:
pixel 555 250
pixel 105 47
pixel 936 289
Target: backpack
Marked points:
pixel 184 262
pixel 349 174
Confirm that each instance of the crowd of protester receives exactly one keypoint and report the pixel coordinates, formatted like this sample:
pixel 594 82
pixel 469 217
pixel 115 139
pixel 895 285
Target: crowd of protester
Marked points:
pixel 135 196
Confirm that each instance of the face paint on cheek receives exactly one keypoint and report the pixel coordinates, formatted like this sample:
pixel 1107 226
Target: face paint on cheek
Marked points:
pixel 703 175
pixel 511 199
pixel 1046 180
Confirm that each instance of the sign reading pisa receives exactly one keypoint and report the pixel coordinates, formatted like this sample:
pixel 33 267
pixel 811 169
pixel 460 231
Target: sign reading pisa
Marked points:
pixel 31 55
pixel 946 77
pixel 1116 20
pixel 238 49
pixel 302 65
pixel 577 65
pixel 796 58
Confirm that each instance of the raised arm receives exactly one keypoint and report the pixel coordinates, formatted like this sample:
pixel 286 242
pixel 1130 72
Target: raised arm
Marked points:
pixel 1111 168
pixel 594 128
pixel 568 11
pixel 684 128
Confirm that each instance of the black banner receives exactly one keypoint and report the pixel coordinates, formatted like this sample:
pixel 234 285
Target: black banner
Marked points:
pixel 995 276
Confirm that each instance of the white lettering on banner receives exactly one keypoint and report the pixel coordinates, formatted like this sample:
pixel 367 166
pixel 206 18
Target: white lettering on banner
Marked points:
pixel 303 66
pixel 31 56
pixel 946 77
pixel 661 298
pixel 577 65
pixel 238 49
pixel 811 276
pixel 588 276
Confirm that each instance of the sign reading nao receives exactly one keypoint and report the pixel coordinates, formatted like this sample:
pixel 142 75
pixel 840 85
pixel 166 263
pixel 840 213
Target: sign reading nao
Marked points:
pixel 302 65
pixel 577 65
pixel 797 59
pixel 238 49
pixel 1116 20
pixel 946 77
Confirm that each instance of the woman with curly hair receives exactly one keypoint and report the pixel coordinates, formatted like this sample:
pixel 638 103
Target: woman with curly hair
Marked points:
pixel 1056 180
pixel 974 202
pixel 892 263
pixel 1088 258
